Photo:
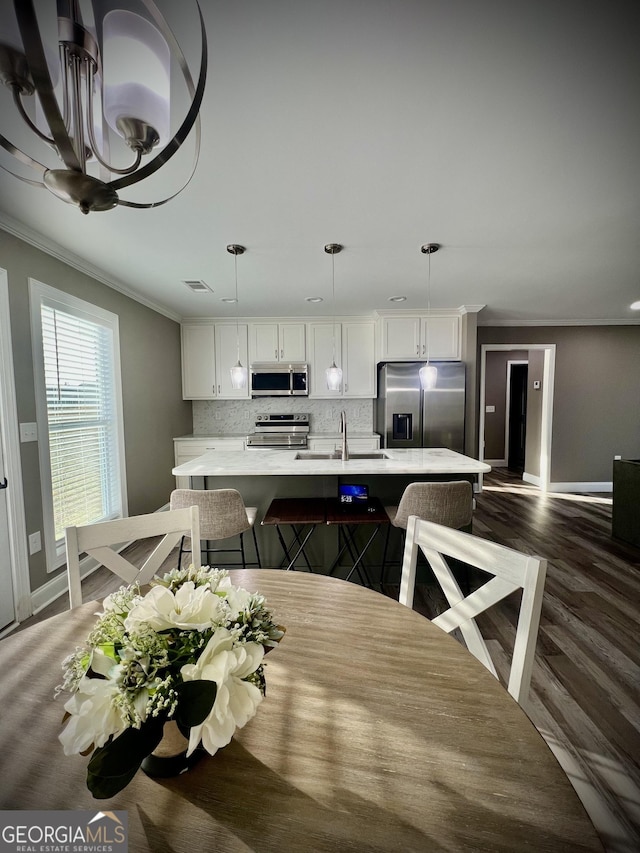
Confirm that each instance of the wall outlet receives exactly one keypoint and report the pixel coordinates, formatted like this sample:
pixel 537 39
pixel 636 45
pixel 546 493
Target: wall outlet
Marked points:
pixel 35 542
pixel 28 432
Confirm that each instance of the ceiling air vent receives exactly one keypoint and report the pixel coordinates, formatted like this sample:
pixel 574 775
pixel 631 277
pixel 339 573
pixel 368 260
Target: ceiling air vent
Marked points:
pixel 197 285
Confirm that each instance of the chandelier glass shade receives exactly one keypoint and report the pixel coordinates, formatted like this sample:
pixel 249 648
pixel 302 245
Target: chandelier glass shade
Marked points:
pixel 333 373
pixel 239 374
pixel 97 94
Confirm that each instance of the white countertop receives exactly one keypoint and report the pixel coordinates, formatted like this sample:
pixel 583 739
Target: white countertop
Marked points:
pixel 264 462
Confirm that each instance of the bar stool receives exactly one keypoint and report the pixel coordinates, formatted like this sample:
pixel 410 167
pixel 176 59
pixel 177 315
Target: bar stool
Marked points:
pixel 223 514
pixel 449 503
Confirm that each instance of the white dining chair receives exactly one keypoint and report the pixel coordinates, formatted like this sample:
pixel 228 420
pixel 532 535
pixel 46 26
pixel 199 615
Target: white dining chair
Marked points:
pixel 511 571
pixel 101 540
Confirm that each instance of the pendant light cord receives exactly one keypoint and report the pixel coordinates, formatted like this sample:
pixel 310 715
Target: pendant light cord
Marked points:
pixel 333 303
pixel 235 266
pixel 428 303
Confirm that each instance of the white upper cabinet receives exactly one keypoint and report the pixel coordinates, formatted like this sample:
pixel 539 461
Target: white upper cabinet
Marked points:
pixel 198 361
pixel 354 353
pixel 359 359
pixel 321 354
pixel 409 337
pixel 227 344
pixel 277 342
pixel 209 351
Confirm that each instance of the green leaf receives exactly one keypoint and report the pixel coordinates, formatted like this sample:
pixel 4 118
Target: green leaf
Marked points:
pixel 195 701
pixel 114 765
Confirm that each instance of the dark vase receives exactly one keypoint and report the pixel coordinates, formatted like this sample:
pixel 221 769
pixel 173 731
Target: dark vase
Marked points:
pixel 170 756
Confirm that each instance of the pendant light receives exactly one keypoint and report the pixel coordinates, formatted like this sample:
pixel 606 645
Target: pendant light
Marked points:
pixel 428 373
pixel 333 372
pixel 238 372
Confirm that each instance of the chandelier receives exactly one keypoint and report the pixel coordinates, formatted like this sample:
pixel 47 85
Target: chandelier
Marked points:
pixel 98 95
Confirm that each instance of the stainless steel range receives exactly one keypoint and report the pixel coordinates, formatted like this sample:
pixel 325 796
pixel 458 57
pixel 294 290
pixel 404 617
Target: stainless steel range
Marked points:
pixel 273 430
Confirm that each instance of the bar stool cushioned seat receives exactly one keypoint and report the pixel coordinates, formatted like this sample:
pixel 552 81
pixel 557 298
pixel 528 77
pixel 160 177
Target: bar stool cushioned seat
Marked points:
pixel 449 503
pixel 223 514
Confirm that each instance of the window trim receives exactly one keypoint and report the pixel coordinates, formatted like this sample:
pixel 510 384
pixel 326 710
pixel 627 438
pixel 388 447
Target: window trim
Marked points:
pixel 54 553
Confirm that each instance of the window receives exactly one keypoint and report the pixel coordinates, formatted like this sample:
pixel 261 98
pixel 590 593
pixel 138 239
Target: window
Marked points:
pixel 77 370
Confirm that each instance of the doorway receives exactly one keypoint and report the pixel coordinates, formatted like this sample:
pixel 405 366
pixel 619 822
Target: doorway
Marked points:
pixel 15 593
pixel 541 441
pixel 516 409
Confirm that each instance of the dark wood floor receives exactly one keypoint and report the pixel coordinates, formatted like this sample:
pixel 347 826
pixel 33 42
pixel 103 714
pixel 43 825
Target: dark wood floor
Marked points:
pixel 586 683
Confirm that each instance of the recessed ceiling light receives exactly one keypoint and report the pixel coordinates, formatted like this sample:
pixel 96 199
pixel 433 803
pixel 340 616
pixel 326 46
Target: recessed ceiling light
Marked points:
pixel 197 285
pixel 635 306
pixel 313 299
pixel 397 299
pixel 228 299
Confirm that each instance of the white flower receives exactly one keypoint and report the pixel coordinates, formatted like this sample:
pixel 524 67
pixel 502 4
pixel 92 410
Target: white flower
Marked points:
pixel 94 716
pixel 236 700
pixel 237 598
pixel 190 607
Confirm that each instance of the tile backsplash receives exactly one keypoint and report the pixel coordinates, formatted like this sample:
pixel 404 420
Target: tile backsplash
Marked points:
pixel 237 417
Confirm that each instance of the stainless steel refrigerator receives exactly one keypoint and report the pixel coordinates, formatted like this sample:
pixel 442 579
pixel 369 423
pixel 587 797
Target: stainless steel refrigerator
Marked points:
pixel 407 416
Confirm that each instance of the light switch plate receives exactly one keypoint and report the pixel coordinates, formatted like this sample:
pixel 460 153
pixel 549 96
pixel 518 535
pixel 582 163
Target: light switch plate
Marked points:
pixel 489 409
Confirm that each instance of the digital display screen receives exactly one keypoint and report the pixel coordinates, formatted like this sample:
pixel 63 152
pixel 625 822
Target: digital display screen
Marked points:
pixel 353 494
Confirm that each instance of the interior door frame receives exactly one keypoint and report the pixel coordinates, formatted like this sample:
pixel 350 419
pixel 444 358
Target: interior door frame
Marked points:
pixel 18 555
pixel 548 379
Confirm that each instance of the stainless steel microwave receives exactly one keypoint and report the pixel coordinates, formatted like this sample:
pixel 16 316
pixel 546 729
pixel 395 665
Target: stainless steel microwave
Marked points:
pixel 279 380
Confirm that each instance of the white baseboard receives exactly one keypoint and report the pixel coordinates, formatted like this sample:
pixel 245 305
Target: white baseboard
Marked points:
pixel 570 487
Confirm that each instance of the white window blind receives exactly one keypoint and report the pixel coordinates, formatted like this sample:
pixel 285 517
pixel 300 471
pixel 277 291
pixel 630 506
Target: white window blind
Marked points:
pixel 84 482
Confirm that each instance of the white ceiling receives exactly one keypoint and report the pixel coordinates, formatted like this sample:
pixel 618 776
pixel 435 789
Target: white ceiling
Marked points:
pixel 507 131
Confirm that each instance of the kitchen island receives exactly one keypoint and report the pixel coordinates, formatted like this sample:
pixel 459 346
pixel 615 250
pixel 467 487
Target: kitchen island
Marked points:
pixel 260 475
pixel 433 462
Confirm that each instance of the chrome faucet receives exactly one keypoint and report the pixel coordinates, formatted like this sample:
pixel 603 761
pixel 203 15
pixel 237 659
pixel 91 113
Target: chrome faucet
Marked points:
pixel 343 430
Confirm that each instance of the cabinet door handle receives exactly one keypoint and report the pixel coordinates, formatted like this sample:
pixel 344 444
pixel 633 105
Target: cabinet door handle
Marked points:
pixel 275 353
pixel 424 349
pixel 219 391
pixel 418 350
pixel 346 387
pixel 281 353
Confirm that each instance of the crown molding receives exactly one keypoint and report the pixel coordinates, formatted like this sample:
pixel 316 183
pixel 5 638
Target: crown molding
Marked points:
pixel 524 323
pixel 38 241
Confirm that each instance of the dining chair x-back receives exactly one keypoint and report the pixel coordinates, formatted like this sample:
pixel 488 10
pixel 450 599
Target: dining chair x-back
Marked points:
pixel 101 541
pixel 511 571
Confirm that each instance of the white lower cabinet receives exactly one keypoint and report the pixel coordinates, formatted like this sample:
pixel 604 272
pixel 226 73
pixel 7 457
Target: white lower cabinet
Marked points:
pixel 186 449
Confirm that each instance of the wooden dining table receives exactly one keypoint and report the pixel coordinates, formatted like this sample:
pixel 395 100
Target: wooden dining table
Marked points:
pixel 378 732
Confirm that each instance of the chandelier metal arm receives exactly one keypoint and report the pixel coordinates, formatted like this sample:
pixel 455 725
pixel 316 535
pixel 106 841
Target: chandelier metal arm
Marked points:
pixel 36 60
pixel 191 118
pixel 23 158
pixel 17 100
pixel 91 132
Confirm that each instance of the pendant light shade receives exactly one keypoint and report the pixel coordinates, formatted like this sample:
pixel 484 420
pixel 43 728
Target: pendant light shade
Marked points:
pixel 428 373
pixel 334 377
pixel 428 376
pixel 333 372
pixel 239 374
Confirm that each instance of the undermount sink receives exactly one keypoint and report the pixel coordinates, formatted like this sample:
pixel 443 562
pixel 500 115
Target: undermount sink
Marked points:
pixel 336 455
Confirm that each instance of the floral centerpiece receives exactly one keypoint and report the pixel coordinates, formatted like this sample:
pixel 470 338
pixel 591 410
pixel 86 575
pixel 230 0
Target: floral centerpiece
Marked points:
pixel 190 650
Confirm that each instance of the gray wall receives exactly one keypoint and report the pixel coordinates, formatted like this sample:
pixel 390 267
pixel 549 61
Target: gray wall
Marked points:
pixel 153 409
pixel 596 405
pixel 496 395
